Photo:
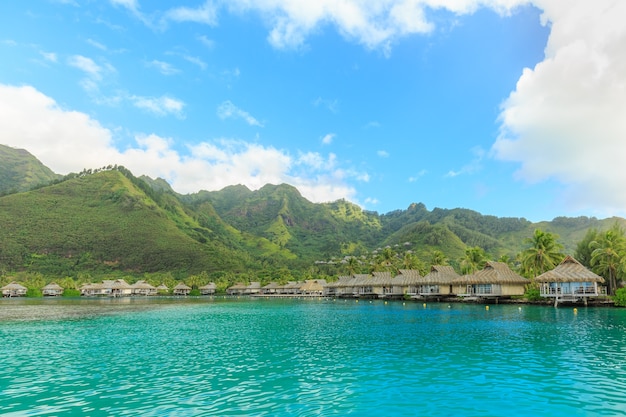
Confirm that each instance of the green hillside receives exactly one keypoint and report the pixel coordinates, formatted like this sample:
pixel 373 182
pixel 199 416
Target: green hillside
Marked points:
pixel 21 171
pixel 104 222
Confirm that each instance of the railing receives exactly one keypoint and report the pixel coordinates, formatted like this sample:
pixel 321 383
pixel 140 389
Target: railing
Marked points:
pixel 573 291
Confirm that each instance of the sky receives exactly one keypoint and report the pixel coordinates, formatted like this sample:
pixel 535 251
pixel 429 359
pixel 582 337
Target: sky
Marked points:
pixel 512 108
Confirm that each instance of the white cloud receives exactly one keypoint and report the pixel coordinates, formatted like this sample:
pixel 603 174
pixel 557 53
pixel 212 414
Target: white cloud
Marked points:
pixel 382 154
pixel 205 14
pixel 209 43
pixel 160 106
pixel 566 119
pixel 332 105
pixel 328 138
pixel 96 44
pixel 164 68
pixel 87 65
pixel 49 56
pixel 472 167
pixel 419 175
pixel 68 141
pixel 228 110
pixel 196 61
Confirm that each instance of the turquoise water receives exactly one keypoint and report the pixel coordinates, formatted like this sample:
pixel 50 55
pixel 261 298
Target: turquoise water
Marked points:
pixel 202 357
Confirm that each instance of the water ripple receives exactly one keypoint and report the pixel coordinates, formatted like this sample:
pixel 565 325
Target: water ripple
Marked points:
pixel 309 358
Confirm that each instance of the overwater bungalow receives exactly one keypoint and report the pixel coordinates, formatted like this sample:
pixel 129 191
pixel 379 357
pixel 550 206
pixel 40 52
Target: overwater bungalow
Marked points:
pixel 13 290
pixel 405 283
pixel 570 281
pixel 312 287
pixel 438 282
pixel 253 288
pixel 162 289
pixel 118 288
pixel 52 290
pixel 208 289
pixel 271 288
pixel 181 289
pixel 495 280
pixel 143 288
pixel 108 288
pixel 93 290
pixel 237 289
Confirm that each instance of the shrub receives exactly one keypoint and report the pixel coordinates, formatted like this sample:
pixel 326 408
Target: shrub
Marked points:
pixel 620 297
pixel 34 292
pixel 533 294
pixel 70 292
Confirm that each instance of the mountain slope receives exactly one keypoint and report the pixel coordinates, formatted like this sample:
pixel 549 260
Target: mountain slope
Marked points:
pixel 21 171
pixel 105 222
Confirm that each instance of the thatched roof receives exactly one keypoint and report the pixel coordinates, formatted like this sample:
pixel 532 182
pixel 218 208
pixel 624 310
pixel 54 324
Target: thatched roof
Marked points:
pixel 382 278
pixel 569 270
pixel 238 287
pixel 492 273
pixel 440 275
pixel 311 285
pixel 406 277
pixel 14 286
pixel 53 286
pixel 162 287
pixel 209 286
pixel 142 285
pixel 182 286
pixel 118 284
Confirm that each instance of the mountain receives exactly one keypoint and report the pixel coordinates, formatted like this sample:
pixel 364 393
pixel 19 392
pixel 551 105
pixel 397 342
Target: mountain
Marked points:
pixel 21 171
pixel 107 221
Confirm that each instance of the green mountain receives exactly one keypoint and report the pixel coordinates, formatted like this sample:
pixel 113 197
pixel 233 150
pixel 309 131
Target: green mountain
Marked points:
pixel 21 171
pixel 107 221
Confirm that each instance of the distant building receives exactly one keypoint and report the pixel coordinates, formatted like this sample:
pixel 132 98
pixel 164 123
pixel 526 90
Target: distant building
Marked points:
pixel 52 290
pixel 570 281
pixel 495 280
pixel 13 290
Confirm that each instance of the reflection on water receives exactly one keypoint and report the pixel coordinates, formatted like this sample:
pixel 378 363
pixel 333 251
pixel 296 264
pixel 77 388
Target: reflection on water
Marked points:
pixel 197 357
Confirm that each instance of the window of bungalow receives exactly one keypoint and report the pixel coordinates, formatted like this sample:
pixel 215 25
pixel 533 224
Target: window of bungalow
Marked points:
pixel 483 289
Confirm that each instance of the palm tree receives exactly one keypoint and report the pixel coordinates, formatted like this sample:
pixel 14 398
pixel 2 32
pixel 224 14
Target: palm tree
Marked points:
pixel 438 258
pixel 607 256
pixel 352 265
pixel 474 259
pixel 543 254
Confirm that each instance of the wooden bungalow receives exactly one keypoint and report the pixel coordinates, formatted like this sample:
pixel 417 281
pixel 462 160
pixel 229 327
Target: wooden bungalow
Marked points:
pixel 495 280
pixel 143 288
pixel 208 289
pixel 13 290
pixel 52 290
pixel 118 288
pixel 438 282
pixel 162 289
pixel 181 289
pixel 570 281
pixel 313 287
pixel 237 289
pixel 271 288
pixel 405 283
pixel 93 290
pixel 363 286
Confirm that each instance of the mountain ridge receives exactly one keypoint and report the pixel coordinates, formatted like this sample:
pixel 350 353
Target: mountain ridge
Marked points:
pixel 109 221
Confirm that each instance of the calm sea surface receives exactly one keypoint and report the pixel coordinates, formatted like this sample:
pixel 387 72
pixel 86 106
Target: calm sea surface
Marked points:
pixel 225 357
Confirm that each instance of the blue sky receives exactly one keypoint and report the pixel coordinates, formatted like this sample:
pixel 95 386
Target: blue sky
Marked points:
pixel 507 107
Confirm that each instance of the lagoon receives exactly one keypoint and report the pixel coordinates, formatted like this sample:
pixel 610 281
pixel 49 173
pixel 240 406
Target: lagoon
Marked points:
pixel 308 357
